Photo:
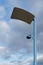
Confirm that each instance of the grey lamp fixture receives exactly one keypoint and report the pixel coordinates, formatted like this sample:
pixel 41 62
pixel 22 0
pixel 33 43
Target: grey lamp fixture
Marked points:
pixel 27 17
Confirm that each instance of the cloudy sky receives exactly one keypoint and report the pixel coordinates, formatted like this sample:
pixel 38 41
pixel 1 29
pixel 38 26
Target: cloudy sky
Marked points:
pixel 15 49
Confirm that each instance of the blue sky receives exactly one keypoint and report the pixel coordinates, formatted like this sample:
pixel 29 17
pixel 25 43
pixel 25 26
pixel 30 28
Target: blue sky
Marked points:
pixel 14 47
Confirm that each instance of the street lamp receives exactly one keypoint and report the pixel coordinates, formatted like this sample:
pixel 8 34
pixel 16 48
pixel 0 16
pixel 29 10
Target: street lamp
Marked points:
pixel 27 17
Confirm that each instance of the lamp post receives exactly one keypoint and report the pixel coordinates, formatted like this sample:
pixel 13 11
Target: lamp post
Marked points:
pixel 34 33
pixel 27 17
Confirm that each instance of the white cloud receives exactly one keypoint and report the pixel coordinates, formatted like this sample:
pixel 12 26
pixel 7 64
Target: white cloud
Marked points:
pixel 2 48
pixel 37 7
pixel 4 39
pixel 40 42
pixel 6 63
pixel 4 52
pixel 4 25
pixel 13 3
pixel 40 57
pixel 2 12
pixel 4 30
pixel 29 60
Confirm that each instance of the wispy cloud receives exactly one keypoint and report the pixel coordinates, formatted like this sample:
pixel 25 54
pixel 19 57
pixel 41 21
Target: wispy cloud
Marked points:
pixel 2 12
pixel 4 52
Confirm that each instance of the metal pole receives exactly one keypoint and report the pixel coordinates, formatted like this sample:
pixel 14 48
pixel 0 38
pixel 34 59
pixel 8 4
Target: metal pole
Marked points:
pixel 34 29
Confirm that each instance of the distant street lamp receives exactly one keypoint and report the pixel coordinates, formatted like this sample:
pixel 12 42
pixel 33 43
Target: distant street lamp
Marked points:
pixel 27 17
